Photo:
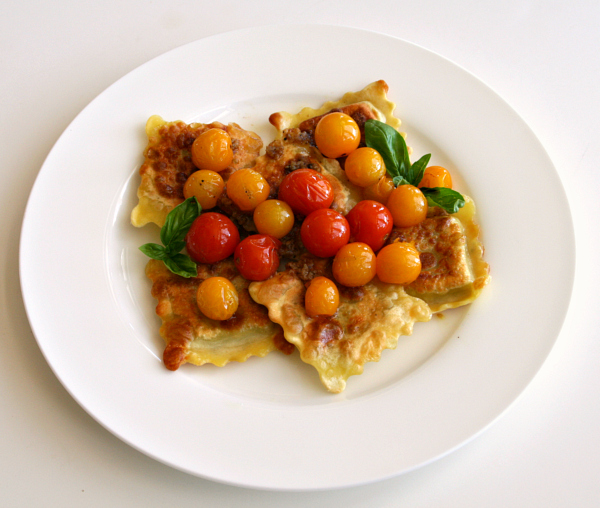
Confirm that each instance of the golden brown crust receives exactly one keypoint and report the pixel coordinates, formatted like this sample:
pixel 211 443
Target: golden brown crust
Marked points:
pixel 192 337
pixel 168 164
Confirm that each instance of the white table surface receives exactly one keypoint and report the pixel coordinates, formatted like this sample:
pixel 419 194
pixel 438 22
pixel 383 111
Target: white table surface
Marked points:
pixel 543 58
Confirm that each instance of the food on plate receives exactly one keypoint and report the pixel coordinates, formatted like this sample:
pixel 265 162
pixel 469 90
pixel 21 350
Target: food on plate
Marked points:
pixel 332 241
pixel 191 336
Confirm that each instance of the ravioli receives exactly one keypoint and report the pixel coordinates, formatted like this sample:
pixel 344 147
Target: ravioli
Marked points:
pixel 168 164
pixel 369 319
pixel 453 270
pixel 193 338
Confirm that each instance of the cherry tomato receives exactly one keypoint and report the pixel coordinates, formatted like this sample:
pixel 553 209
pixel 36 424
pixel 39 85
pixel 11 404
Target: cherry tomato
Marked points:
pixel 274 217
pixel 322 297
pixel 324 231
pixel 217 298
pixel 306 190
pixel 407 205
pixel 256 257
pixel 211 238
pixel 212 150
pixel 336 135
pixel 398 263
pixel 206 185
pixel 379 191
pixel 364 166
pixel 370 223
pixel 436 176
pixel 354 265
pixel 247 188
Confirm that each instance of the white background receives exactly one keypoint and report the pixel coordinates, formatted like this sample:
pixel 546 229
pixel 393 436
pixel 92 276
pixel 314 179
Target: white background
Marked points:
pixel 543 58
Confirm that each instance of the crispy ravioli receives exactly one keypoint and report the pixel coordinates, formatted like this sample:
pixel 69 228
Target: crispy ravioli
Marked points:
pixel 193 338
pixel 453 271
pixel 369 320
pixel 168 164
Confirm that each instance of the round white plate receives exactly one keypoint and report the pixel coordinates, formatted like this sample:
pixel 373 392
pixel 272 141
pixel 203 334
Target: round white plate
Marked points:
pixel 268 423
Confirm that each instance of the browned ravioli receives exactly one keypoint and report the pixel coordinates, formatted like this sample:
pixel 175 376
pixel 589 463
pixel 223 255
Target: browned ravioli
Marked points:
pixel 168 164
pixel 192 337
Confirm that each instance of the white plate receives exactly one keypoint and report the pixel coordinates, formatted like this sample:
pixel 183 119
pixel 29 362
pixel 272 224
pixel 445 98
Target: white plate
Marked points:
pixel 268 423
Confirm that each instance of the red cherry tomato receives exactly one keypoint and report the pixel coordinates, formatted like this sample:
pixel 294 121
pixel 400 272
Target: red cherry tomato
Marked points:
pixel 370 223
pixel 324 232
pixel 306 190
pixel 211 238
pixel 256 257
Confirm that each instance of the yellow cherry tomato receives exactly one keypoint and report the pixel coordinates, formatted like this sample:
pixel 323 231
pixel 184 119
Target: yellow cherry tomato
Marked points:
pixel 398 263
pixel 247 189
pixel 336 135
pixel 436 176
pixel 274 217
pixel 408 206
pixel 212 150
pixel 322 297
pixel 379 191
pixel 364 166
pixel 217 298
pixel 354 264
pixel 206 185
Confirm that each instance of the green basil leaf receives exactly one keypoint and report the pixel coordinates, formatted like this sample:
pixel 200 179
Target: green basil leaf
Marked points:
pixel 154 251
pixel 181 264
pixel 415 174
pixel 448 199
pixel 398 180
pixel 390 145
pixel 179 220
pixel 175 246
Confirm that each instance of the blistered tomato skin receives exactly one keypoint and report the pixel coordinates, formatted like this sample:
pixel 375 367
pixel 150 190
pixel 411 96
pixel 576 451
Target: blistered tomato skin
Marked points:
pixel 256 257
pixel 324 232
pixel 306 190
pixel 211 238
pixel 364 166
pixel 354 265
pixel 247 189
pixel 370 223
pixel 322 297
pixel 206 185
pixel 436 176
pixel 337 135
pixel 408 206
pixel 217 298
pixel 212 150
pixel 398 263
pixel 274 217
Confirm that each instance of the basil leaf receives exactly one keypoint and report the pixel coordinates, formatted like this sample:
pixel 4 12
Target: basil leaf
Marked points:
pixel 154 251
pixel 179 221
pixel 181 264
pixel 174 247
pixel 398 180
pixel 448 199
pixel 390 145
pixel 415 174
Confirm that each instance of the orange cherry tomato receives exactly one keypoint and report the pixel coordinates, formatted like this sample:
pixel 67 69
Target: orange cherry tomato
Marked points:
pixel 247 189
pixel 379 191
pixel 256 257
pixel 354 265
pixel 324 232
pixel 364 166
pixel 211 238
pixel 336 135
pixel 206 185
pixel 274 217
pixel 398 263
pixel 306 190
pixel 322 297
pixel 370 223
pixel 217 298
pixel 212 150
pixel 436 176
pixel 407 205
